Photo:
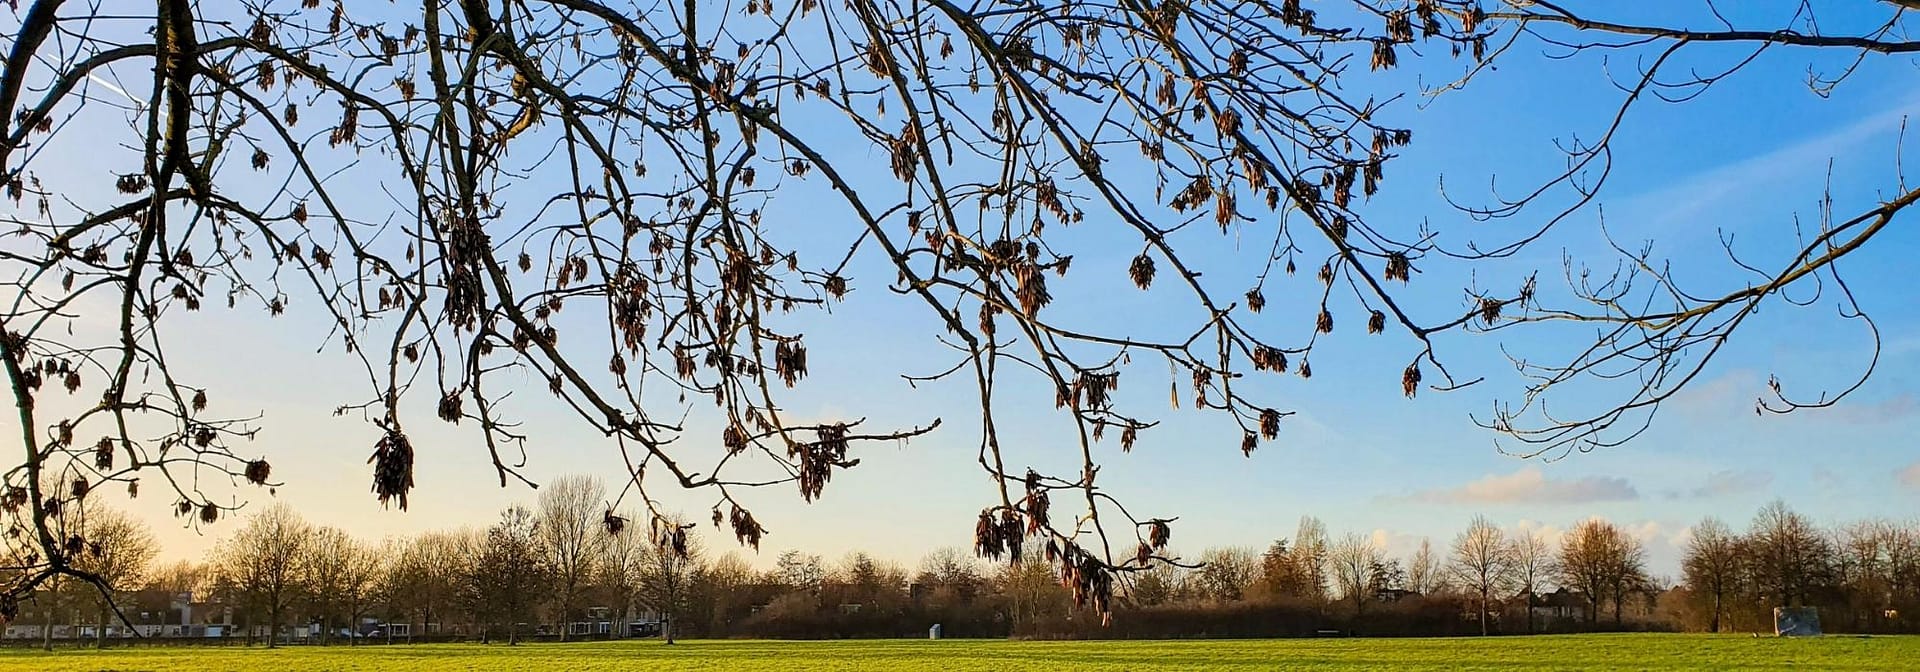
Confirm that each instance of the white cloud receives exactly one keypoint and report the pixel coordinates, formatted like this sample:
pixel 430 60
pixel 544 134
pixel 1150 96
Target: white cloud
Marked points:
pixel 1531 486
pixel 1730 482
pixel 1550 533
pixel 1398 544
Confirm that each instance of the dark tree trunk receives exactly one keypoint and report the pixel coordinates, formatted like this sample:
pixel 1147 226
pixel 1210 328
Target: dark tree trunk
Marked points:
pixel 1716 611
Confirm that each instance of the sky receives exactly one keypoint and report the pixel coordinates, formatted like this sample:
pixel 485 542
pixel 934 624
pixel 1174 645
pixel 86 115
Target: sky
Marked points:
pixel 1749 158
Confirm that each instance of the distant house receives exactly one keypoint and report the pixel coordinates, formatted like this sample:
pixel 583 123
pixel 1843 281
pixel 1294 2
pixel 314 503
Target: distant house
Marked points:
pixel 153 613
pixel 1559 605
pixel 1393 594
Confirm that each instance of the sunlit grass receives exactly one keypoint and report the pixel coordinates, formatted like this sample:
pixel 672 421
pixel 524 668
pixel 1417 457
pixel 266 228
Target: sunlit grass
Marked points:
pixel 1582 652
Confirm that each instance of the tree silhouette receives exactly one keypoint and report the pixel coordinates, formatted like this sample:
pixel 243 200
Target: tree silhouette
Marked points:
pixel 439 182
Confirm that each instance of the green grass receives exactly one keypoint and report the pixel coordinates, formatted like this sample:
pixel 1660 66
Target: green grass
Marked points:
pixel 1576 652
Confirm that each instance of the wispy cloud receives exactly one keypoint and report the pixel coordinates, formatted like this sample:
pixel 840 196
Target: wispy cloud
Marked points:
pixel 1731 394
pixel 1897 407
pixel 1730 482
pixel 1734 394
pixel 1531 486
pixel 1707 192
pixel 1910 476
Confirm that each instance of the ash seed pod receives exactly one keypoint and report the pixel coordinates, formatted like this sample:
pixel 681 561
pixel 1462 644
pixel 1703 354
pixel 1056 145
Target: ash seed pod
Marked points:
pixel 1142 271
pixel 1255 300
pixel 450 407
pixel 1324 323
pixel 392 468
pixel 734 438
pixel 258 471
pixel 1247 443
pixel 209 513
pixel 1376 322
pixel 1410 380
pixel 1398 267
pixel 1269 424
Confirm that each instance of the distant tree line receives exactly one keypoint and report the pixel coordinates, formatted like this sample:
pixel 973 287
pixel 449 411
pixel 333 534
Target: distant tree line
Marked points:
pixel 570 559
pixel 1863 576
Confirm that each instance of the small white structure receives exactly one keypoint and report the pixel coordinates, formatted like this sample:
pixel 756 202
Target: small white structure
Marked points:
pixel 934 632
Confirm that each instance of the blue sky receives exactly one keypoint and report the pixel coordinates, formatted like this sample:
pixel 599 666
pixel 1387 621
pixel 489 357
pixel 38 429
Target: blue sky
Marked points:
pixel 1746 157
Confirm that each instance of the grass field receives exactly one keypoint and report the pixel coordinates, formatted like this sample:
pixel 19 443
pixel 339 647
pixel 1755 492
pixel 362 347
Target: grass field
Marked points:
pixel 1578 652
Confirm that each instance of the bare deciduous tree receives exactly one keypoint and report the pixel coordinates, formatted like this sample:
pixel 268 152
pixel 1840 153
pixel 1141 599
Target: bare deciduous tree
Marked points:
pixel 1604 562
pixel 638 163
pixel 1310 553
pixel 263 562
pixel 1711 566
pixel 1225 574
pixel 688 173
pixel 623 557
pixel 1533 567
pixel 1666 315
pixel 181 576
pixel 1352 560
pixel 360 583
pixel 119 550
pixel 424 581
pixel 1425 574
pixel 510 573
pixel 1789 554
pixel 1482 561
pixel 667 565
pixel 799 570
pixel 326 565
pixel 572 518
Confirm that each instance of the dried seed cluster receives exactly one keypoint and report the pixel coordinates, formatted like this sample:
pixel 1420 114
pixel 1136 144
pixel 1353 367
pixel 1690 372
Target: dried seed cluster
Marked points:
pixel 392 469
pixel 817 459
